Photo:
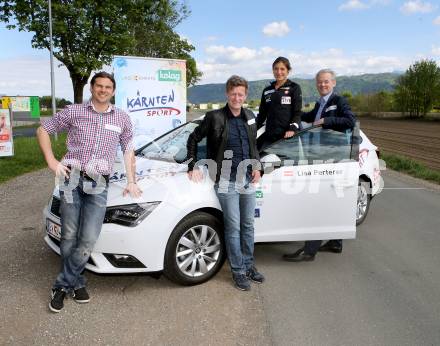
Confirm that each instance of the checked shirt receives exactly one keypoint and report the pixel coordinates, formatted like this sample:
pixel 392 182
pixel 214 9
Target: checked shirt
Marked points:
pixel 92 137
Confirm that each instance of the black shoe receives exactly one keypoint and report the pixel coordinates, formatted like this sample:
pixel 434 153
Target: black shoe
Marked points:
pixel 298 256
pixel 241 282
pixel 254 275
pixel 329 247
pixel 80 295
pixel 57 301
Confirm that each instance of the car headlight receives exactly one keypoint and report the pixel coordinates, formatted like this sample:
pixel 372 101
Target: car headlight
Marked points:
pixel 129 215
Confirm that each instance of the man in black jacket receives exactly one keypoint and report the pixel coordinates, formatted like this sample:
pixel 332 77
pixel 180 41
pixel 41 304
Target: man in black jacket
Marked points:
pixel 331 112
pixel 231 146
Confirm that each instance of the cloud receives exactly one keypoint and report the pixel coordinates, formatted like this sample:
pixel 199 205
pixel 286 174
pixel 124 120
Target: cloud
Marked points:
pixel 380 2
pixel 278 29
pixel 417 6
pixel 359 5
pixel 436 50
pixel 30 76
pixel 353 5
pixel 436 21
pixel 218 66
pixel 231 53
pixel 211 38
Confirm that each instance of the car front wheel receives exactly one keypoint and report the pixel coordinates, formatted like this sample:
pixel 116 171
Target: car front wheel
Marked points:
pixel 195 251
pixel 363 201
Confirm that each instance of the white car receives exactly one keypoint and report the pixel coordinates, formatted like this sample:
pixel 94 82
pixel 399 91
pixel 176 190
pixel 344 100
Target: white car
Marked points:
pixel 317 185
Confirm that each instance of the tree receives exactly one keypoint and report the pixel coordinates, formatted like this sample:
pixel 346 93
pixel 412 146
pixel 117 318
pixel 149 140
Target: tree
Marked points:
pixel 419 88
pixel 46 102
pixel 150 39
pixel 86 34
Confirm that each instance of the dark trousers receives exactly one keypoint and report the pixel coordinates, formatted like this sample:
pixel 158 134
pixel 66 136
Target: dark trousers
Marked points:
pixel 311 247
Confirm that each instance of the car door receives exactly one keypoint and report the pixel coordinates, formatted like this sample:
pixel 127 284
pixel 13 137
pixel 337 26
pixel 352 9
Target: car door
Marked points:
pixel 309 189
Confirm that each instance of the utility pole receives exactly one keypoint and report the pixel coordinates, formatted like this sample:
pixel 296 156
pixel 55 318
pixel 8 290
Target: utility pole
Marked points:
pixel 52 76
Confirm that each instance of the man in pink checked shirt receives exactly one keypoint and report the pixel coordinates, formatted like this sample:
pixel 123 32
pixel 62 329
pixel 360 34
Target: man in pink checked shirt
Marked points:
pixel 94 131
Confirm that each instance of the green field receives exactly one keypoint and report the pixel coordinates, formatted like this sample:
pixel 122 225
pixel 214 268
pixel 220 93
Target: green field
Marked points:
pixel 28 157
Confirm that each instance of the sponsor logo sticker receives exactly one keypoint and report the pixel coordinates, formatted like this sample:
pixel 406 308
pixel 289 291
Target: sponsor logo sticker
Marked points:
pixel 170 75
pixel 267 92
pixel 286 100
pixel 257 212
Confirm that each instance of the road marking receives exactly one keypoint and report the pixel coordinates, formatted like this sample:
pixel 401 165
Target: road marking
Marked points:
pixel 404 188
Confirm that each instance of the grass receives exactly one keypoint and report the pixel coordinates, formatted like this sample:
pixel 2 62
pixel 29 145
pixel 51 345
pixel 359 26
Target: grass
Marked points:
pixel 410 167
pixel 28 157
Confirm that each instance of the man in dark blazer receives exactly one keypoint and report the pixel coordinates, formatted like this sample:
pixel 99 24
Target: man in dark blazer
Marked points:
pixel 331 112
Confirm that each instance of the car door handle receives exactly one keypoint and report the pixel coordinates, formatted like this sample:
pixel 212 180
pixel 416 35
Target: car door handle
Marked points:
pixel 343 184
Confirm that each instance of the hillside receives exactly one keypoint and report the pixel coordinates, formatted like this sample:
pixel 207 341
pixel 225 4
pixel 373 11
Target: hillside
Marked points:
pixel 367 83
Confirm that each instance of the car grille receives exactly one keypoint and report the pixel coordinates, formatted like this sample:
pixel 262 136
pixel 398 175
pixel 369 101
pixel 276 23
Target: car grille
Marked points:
pixel 55 206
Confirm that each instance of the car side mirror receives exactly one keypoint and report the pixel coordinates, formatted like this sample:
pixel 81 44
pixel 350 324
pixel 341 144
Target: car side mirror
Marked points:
pixel 269 162
pixel 271 158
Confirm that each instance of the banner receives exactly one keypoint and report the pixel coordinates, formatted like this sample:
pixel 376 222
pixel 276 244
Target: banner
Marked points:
pixel 5 102
pixel 35 106
pixel 24 107
pixel 153 92
pixel 6 141
pixel 20 103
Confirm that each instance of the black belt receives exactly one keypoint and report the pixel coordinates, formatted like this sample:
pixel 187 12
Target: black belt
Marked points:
pixel 88 177
pixel 84 175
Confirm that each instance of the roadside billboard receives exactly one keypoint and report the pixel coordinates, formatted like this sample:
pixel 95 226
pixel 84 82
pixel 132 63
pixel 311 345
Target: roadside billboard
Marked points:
pixel 24 107
pixel 153 92
pixel 6 140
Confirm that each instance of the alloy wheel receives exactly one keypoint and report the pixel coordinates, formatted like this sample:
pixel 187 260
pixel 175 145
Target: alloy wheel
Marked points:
pixel 198 250
pixel 362 202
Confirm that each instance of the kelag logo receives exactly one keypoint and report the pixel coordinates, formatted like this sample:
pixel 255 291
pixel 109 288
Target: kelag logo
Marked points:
pixel 170 76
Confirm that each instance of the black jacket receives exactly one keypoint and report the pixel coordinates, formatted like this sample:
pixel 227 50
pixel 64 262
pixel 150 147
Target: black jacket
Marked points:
pixel 281 108
pixel 215 128
pixel 337 114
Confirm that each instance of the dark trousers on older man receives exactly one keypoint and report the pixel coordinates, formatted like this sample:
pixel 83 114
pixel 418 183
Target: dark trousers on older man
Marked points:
pixel 311 247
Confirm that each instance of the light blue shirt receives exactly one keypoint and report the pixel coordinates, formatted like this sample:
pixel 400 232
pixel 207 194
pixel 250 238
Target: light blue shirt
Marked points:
pixel 322 101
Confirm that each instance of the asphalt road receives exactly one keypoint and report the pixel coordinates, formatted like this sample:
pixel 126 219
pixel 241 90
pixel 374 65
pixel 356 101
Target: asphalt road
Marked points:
pixel 24 132
pixel 384 289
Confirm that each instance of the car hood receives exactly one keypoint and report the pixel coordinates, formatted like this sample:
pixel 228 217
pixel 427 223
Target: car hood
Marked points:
pixel 159 180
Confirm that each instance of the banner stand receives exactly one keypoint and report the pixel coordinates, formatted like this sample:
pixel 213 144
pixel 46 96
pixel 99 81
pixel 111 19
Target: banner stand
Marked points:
pixel 6 138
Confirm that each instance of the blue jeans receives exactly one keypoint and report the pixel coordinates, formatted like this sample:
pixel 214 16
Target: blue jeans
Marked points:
pixel 238 214
pixel 82 216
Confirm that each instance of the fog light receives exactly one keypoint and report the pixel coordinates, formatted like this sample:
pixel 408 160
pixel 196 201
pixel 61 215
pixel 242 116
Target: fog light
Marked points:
pixel 123 261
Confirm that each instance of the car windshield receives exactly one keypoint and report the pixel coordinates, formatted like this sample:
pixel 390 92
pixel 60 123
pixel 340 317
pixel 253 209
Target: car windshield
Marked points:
pixel 315 145
pixel 172 145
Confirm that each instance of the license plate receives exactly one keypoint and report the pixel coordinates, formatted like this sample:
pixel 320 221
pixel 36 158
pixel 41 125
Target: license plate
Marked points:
pixel 53 229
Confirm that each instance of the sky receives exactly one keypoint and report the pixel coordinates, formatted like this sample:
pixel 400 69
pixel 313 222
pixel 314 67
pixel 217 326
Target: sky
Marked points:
pixel 244 37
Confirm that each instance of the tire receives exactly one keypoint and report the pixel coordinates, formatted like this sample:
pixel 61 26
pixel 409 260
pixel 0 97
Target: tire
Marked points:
pixel 363 200
pixel 199 240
